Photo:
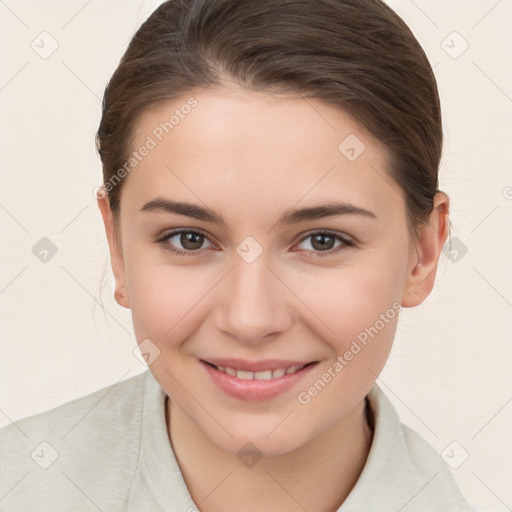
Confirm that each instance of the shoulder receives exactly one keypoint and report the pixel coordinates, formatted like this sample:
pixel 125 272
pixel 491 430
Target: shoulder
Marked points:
pixel 405 469
pixel 67 454
pixel 424 459
pixel 81 416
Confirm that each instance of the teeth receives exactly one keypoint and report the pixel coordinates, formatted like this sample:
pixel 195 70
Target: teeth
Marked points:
pixel 264 375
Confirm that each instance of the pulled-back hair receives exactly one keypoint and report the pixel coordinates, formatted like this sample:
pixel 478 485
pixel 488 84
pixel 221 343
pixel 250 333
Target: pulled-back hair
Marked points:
pixel 357 55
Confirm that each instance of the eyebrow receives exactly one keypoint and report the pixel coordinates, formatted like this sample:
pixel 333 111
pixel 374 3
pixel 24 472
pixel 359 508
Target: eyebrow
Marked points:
pixel 291 216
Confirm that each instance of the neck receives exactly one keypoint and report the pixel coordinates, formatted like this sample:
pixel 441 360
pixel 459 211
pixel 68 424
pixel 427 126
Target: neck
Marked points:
pixel 318 475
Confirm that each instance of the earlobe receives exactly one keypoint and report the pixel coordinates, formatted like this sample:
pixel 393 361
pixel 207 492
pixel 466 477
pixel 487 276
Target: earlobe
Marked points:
pixel 122 297
pixel 116 255
pixel 427 250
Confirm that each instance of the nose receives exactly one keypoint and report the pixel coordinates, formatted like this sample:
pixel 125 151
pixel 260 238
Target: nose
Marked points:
pixel 255 305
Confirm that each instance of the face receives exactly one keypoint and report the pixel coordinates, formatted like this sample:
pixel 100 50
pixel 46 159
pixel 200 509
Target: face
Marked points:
pixel 268 315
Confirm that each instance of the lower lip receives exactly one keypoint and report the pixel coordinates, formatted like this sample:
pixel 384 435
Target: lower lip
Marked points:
pixel 255 390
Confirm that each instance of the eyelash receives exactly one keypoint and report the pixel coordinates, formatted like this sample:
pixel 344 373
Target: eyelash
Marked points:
pixel 164 241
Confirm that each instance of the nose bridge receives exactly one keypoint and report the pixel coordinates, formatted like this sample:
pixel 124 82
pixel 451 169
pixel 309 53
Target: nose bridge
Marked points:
pixel 254 304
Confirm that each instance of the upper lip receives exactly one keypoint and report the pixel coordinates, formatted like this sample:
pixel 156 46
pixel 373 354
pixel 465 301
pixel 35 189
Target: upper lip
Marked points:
pixel 255 366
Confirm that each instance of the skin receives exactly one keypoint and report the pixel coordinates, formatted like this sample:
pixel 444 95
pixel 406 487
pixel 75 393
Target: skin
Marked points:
pixel 250 156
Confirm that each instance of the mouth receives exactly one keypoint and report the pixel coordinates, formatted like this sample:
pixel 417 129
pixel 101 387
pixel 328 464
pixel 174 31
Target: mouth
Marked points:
pixel 256 381
pixel 268 374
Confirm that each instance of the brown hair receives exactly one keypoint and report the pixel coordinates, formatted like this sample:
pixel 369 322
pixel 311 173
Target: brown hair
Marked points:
pixel 358 55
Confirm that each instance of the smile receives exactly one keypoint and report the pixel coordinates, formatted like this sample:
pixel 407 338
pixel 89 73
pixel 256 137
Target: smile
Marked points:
pixel 261 375
pixel 256 381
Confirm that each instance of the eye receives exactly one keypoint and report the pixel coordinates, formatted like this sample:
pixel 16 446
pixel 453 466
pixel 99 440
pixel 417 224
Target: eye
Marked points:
pixel 322 243
pixel 190 241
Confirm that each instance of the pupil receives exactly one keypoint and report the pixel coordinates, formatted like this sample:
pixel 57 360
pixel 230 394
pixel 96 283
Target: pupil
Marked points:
pixel 322 239
pixel 188 238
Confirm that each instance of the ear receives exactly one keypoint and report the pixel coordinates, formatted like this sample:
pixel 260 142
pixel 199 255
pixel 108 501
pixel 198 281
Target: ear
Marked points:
pixel 425 253
pixel 116 255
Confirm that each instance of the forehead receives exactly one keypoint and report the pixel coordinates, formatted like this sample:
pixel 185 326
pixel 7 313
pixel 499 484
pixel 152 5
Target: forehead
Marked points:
pixel 258 149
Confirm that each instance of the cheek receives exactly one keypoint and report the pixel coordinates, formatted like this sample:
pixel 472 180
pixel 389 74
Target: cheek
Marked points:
pixel 362 309
pixel 165 300
pixel 360 305
pixel 348 300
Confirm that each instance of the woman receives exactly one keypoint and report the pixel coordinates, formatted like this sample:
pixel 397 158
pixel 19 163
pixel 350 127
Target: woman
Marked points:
pixel 271 203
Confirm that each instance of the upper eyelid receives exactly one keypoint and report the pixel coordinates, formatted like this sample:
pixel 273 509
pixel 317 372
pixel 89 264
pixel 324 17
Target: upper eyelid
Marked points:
pixel 173 233
pixel 180 231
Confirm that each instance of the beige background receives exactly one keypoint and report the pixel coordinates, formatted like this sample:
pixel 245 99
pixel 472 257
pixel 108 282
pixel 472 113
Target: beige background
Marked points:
pixel 449 371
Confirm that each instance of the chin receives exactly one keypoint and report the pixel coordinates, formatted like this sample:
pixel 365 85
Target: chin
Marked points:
pixel 267 439
pixel 258 446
